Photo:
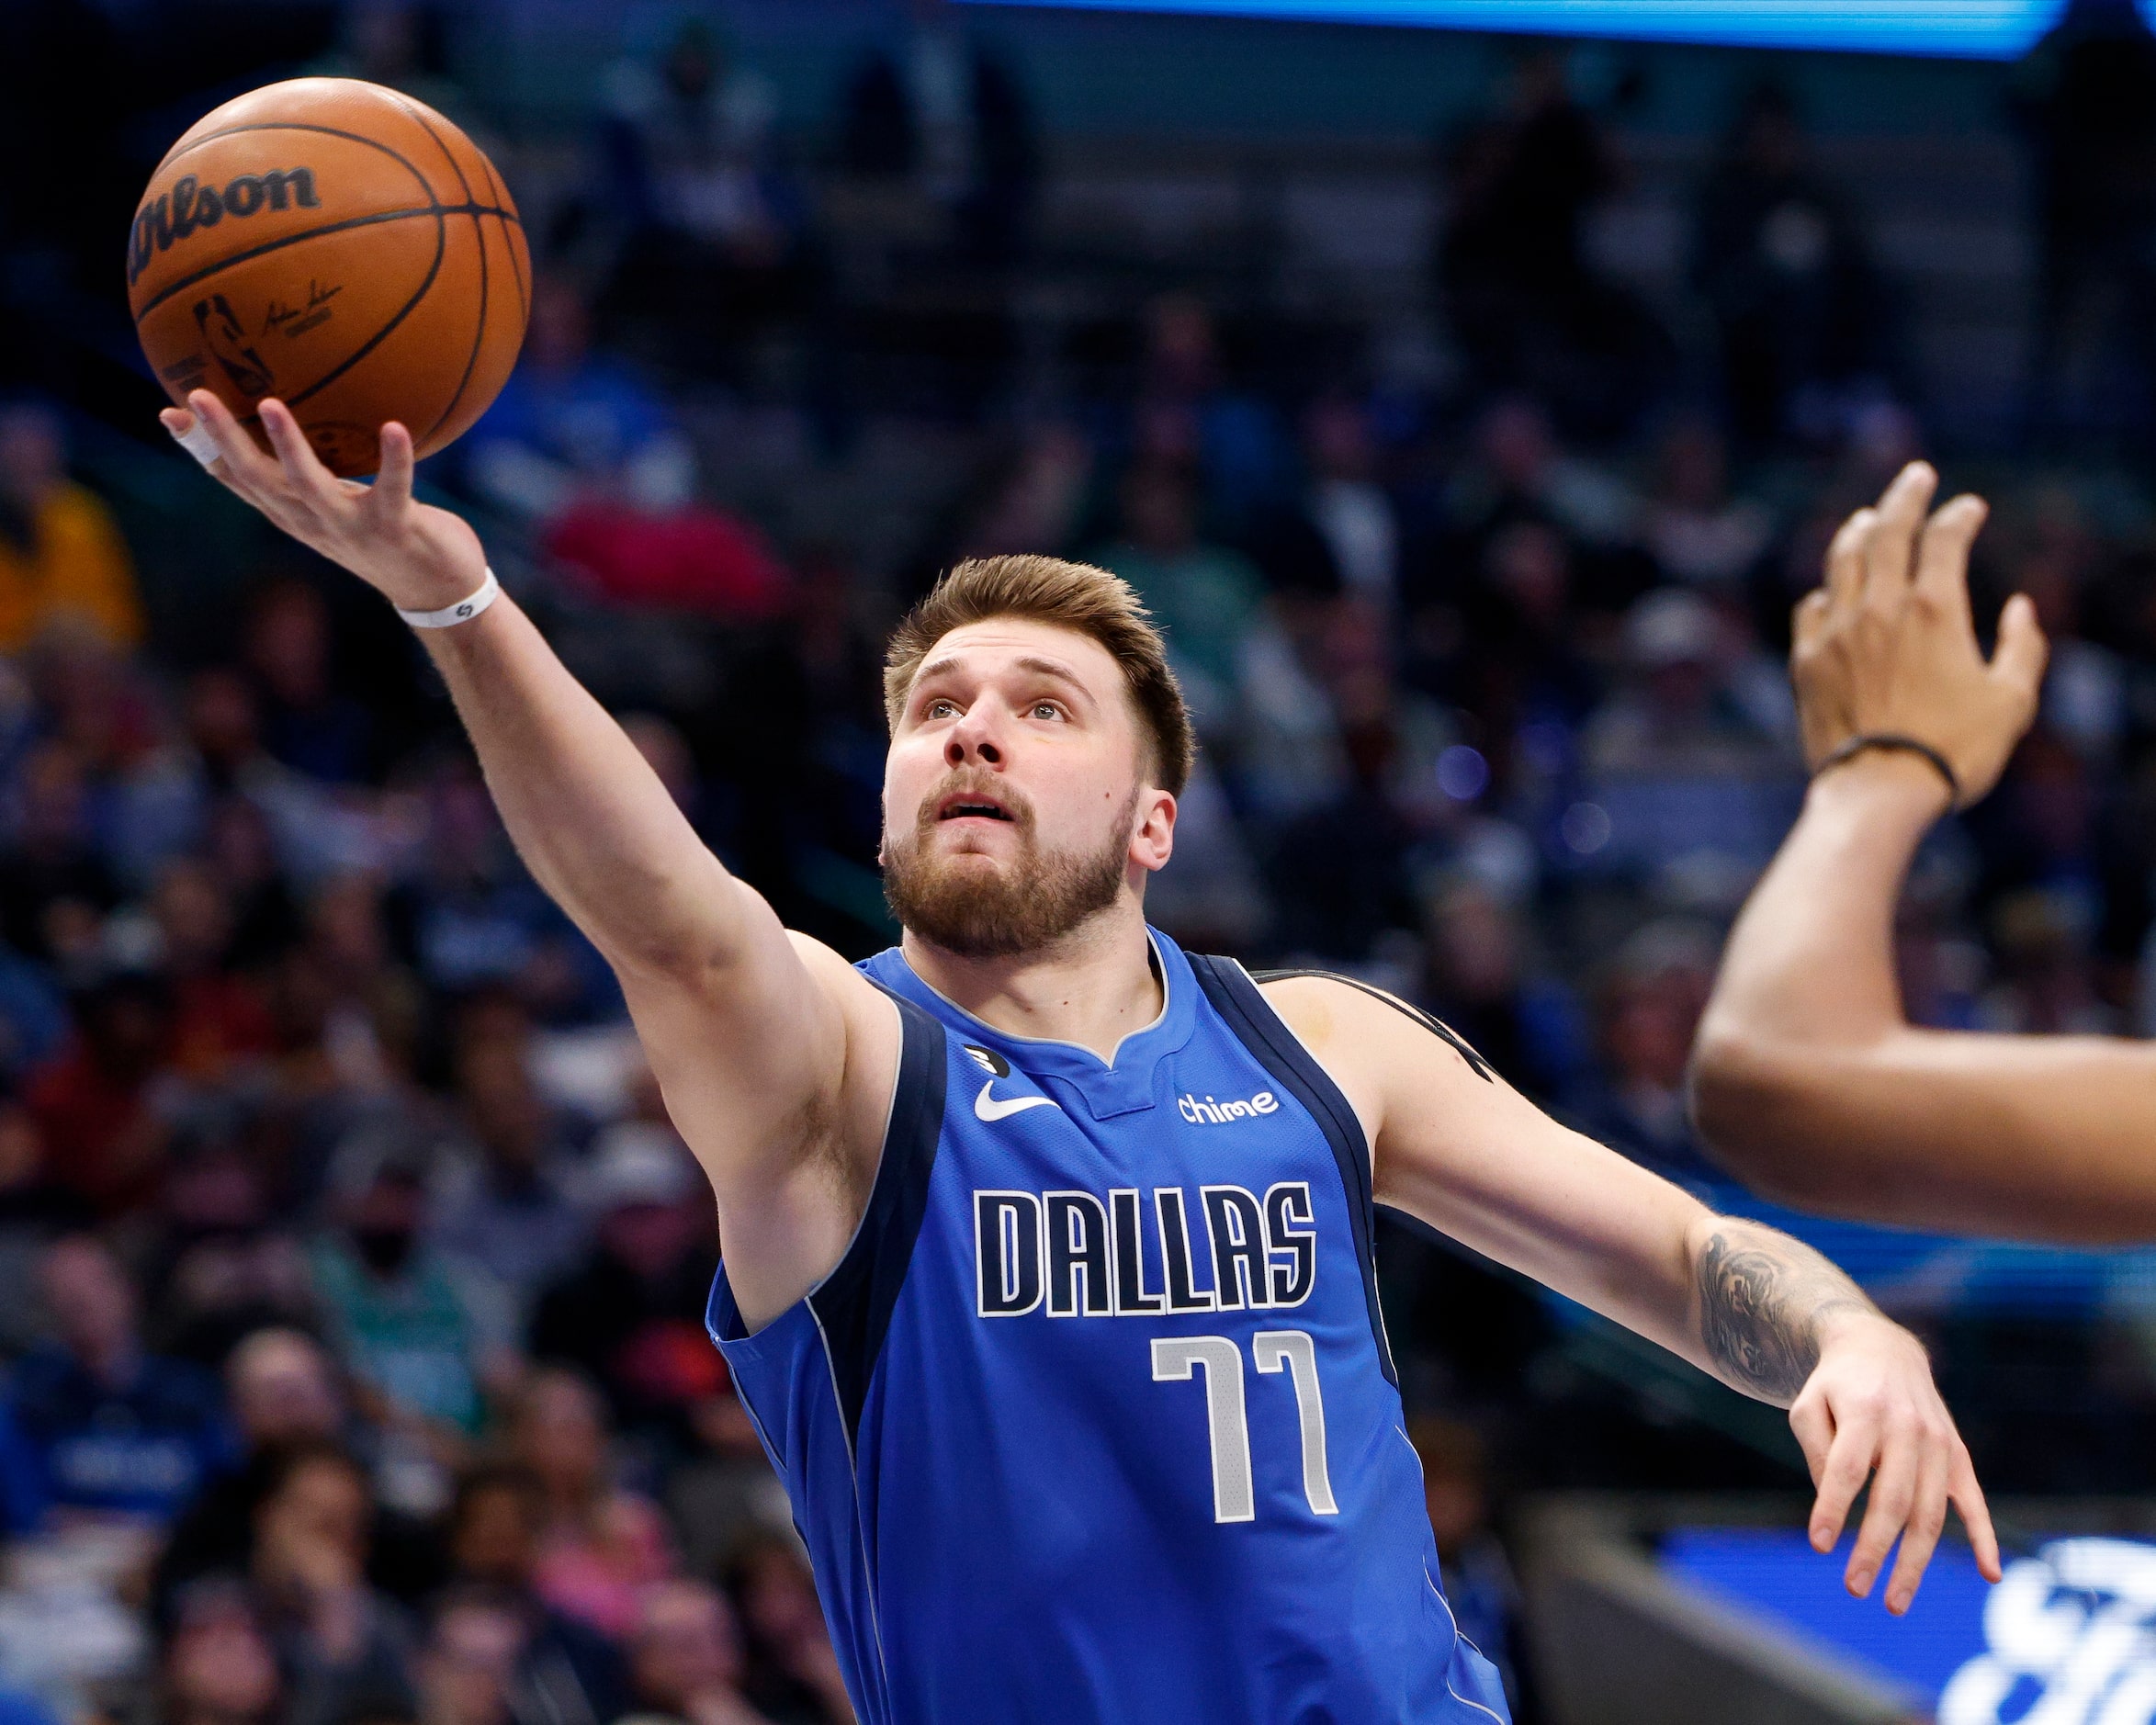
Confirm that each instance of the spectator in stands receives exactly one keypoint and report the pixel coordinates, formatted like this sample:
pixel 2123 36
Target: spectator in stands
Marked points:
pixel 602 1545
pixel 210 1256
pixel 1525 304
pixel 306 722
pixel 941 112
pixel 793 1673
pixel 1351 512
pixel 61 554
pixel 1780 260
pixel 1648 1008
pixel 686 1659
pixel 725 1490
pixel 1206 597
pixel 219 1667
pixel 371 1028
pixel 713 235
pixel 1479 982
pixel 571 421
pixel 467 1669
pixel 2087 98
pixel 97 1427
pixel 476 913
pixel 512 1215
pixel 54 884
pixel 284 1395
pixel 1187 413
pixel 1696 531
pixel 96 1104
pixel 33 1017
pixel 496 1524
pixel 335 1637
pixel 219 1017
pixel 32 1212
pixel 1676 715
pixel 630 1316
pixel 422 1332
pixel 1478 1584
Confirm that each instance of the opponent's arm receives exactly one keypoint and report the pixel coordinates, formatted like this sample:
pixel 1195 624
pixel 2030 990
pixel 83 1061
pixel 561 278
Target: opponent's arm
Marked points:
pixel 1470 1156
pixel 1808 1079
pixel 766 1045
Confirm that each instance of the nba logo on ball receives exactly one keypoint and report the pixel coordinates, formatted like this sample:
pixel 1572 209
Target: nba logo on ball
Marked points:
pixel 340 246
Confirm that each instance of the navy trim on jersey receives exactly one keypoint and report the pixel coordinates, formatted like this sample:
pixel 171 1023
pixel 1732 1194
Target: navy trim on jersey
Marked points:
pixel 1273 1045
pixel 1436 1026
pixel 852 1305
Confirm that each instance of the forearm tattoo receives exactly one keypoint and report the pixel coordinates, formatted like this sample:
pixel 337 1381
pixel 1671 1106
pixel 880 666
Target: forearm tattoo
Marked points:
pixel 1761 1296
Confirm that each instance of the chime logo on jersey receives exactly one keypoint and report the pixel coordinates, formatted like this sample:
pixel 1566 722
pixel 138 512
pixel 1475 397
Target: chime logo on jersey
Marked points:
pixel 1078 1255
pixel 1202 1110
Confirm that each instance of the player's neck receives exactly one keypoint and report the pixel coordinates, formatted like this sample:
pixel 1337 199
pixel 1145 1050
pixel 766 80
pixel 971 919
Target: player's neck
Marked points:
pixel 1092 989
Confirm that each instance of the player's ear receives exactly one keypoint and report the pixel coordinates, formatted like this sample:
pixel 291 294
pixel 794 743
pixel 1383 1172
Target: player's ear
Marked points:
pixel 1153 836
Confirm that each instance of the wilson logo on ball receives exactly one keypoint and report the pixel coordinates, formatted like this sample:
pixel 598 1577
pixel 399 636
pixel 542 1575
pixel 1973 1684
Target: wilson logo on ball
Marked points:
pixel 172 216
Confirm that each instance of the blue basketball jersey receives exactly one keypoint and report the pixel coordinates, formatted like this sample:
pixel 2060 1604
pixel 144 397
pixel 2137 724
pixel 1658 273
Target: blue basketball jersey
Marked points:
pixel 1096 1420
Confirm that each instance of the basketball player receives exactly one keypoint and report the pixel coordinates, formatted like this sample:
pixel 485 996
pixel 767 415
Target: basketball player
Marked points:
pixel 1048 1277
pixel 1808 1078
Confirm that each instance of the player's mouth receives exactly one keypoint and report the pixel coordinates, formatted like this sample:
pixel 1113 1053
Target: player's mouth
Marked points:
pixel 966 806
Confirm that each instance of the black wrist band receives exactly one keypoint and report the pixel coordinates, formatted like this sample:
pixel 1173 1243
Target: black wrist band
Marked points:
pixel 1863 741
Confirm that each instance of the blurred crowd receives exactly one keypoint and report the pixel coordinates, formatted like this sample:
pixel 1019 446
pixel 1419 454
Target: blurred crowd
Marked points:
pixel 352 1279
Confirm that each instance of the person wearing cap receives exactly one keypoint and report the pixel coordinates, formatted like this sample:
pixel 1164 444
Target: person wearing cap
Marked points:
pixel 1676 712
pixel 630 1312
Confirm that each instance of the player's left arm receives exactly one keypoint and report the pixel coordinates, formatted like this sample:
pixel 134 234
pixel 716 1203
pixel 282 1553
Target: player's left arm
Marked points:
pixel 1458 1148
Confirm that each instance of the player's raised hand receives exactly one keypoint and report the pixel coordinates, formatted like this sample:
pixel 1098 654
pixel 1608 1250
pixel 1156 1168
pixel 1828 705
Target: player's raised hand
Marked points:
pixel 419 557
pixel 1869 1411
pixel 1887 644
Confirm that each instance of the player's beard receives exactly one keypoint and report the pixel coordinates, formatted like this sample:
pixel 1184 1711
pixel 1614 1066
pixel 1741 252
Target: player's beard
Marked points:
pixel 1033 902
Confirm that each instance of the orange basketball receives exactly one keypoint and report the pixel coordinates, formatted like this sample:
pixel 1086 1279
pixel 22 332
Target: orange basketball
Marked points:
pixel 341 247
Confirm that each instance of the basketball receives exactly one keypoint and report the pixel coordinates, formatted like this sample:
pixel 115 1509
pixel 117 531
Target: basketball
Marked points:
pixel 341 247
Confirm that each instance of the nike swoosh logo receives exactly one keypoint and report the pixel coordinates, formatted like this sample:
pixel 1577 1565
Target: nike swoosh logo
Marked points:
pixel 986 1107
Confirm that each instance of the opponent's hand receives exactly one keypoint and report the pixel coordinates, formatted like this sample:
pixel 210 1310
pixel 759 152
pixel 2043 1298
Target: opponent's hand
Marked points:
pixel 1871 1410
pixel 418 557
pixel 1887 644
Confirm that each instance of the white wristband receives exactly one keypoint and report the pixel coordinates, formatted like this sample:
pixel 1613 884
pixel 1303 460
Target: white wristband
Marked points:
pixel 463 611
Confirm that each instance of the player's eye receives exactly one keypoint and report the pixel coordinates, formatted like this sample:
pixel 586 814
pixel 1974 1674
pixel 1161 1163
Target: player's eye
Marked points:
pixel 1046 710
pixel 939 708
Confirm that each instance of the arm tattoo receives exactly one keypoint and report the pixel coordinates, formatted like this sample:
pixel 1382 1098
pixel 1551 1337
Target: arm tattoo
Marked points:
pixel 1761 1296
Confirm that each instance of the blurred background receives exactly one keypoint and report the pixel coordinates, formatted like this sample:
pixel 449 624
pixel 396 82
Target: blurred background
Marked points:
pixel 1470 408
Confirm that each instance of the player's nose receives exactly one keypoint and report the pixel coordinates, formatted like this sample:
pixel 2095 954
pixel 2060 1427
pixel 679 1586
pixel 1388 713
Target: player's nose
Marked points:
pixel 976 739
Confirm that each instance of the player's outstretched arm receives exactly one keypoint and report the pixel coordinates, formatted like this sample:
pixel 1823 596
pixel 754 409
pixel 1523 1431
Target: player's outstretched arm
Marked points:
pixel 1808 1079
pixel 1458 1148
pixel 767 1047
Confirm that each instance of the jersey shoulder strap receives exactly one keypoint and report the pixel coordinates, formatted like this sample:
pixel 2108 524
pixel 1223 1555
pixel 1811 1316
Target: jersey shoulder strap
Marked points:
pixel 1234 995
pixel 1436 1026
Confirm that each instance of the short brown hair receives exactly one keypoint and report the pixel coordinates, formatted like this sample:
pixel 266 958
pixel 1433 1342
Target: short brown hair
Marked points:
pixel 1073 596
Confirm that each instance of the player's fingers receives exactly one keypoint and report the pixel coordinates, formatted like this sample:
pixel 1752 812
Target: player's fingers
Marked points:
pixel 2019 658
pixel 1942 556
pixel 1920 1533
pixel 1891 550
pixel 1968 1497
pixel 1814 1429
pixel 1844 559
pixel 1808 621
pixel 311 482
pixel 1848 1465
pixel 246 469
pixel 1893 1490
pixel 391 492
